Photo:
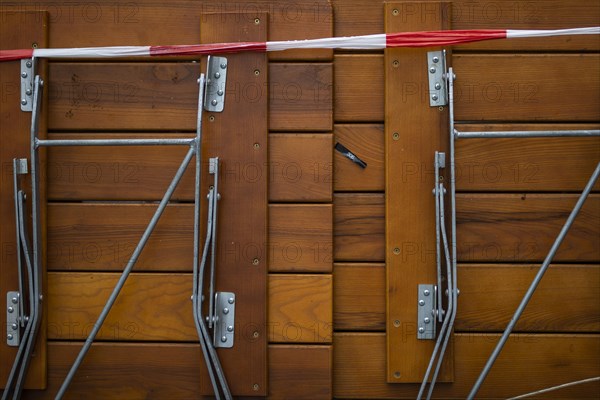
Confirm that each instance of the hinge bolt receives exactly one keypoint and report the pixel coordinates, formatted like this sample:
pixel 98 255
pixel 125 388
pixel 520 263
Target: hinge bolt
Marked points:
pixel 14 327
pixel 220 92
pixel 421 302
pixel 426 292
pixel 10 310
pixel 432 70
pixel 438 86
pixel 226 310
pixel 421 330
pixel 23 101
pixel 434 97
pixel 435 59
pixel 230 300
pixel 223 65
pixel 426 320
pixel 9 336
pixel 14 300
pixel 230 328
pixel 217 75
pixel 23 74
pixel 223 339
pixel 214 102
pixel 28 63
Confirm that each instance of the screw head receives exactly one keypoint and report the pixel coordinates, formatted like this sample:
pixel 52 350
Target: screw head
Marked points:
pixel 426 292
pixel 220 92
pixel 23 101
pixel 256 72
pixel 230 300
pixel 255 261
pixel 23 74
pixel 10 310
pixel 432 70
pixel 226 310
pixel 223 339
pixel 223 65
pixel 426 320
pixel 28 92
pixel 421 302
pixel 421 330
pixel 397 323
pixel 395 12
pixel 395 136
pixel 257 21
pixel 211 118
pixel 395 63
pixel 217 75
pixel 435 59
pixel 9 336
pixel 28 64
pixel 255 387
pixel 214 102
pixel 230 328
pixel 434 97
pixel 14 327
pixel 438 86
pixel 255 334
pixel 14 300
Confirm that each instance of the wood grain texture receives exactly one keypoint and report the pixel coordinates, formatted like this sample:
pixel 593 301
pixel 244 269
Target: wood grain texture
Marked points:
pixel 300 308
pixel 300 372
pixel 18 30
pixel 358 88
pixel 363 17
pixel 359 227
pixel 102 237
pixel 300 167
pixel 301 96
pixel 541 164
pixel 300 238
pixel 366 141
pixel 359 297
pixel 522 227
pixel 527 363
pixel 414 131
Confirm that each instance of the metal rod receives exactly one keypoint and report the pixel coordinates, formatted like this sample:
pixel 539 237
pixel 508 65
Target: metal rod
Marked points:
pixel 115 142
pixel 535 282
pixel 557 387
pixel 213 244
pixel 524 134
pixel 126 271
pixel 17 227
pixel 438 259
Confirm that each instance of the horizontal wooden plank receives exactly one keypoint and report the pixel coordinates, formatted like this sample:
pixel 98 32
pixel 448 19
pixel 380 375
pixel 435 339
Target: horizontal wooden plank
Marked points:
pixel 363 17
pixel 537 164
pixel 527 363
pixel 359 86
pixel 359 297
pixel 164 96
pixel 300 372
pixel 301 97
pixel 366 141
pixel 512 88
pixel 522 227
pixel 139 371
pixel 489 295
pixel 300 308
pixel 300 237
pixel 301 167
pixel 102 237
pixel 359 227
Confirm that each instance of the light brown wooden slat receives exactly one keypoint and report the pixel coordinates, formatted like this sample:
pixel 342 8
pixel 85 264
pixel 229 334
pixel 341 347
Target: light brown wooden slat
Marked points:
pixel 102 237
pixel 512 87
pixel 300 308
pixel 527 363
pixel 300 97
pixel 18 30
pixel 541 164
pixel 140 371
pixel 300 167
pixel 358 95
pixel 359 297
pixel 366 142
pixel 567 299
pixel 359 227
pixel 522 228
pixel 300 237
pixel 363 17
pixel 300 372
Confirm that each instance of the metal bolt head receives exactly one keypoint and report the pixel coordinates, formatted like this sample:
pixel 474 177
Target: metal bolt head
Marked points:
pixel 426 320
pixel 395 136
pixel 255 261
pixel 223 339
pixel 396 250
pixel 28 92
pixel 255 334
pixel 230 300
pixel 23 101
pixel 438 86
pixel 223 65
pixel 14 327
pixel 23 74
pixel 256 72
pixel 214 102
pixel 421 330
pixel 257 21
pixel 230 328
pixel 435 59
pixel 217 75
pixel 432 70
pixel 395 12
pixel 426 292
pixel 14 300
pixel 220 92
pixel 434 97
pixel 28 64
pixel 10 310
pixel 421 302
pixel 226 310
pixel 255 387
pixel 9 336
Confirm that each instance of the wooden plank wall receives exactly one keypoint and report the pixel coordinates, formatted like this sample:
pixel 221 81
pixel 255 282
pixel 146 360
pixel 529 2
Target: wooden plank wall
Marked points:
pixel 513 198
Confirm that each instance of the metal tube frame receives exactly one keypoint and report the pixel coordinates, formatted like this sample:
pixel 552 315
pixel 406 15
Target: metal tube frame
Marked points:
pixel 524 134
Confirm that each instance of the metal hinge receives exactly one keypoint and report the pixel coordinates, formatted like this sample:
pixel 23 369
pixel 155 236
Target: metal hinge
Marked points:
pixel 436 66
pixel 27 85
pixel 13 318
pixel 216 78
pixel 426 312
pixel 224 330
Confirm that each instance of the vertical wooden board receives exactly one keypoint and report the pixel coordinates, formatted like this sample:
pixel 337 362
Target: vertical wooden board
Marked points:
pixel 18 30
pixel 359 297
pixel 300 167
pixel 239 137
pixel 300 237
pixel 301 97
pixel 300 308
pixel 366 141
pixel 359 227
pixel 300 372
pixel 358 88
pixel 413 132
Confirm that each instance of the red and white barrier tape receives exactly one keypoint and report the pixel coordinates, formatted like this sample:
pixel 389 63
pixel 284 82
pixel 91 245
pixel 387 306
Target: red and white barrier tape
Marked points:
pixel 367 42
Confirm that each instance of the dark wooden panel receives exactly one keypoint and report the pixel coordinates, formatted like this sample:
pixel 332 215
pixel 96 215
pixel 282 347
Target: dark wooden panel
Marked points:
pixel 510 87
pixel 102 237
pixel 300 237
pixel 363 17
pixel 541 164
pixel 359 297
pixel 300 167
pixel 18 30
pixel 527 363
pixel 300 308
pixel 358 93
pixel 367 142
pixel 567 299
pixel 300 372
pixel 359 227
pixel 522 228
pixel 300 97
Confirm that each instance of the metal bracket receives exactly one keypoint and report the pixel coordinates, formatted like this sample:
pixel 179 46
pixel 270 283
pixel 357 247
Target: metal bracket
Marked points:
pixel 27 85
pixel 426 312
pixel 436 67
pixel 216 78
pixel 20 165
pixel 224 330
pixel 13 316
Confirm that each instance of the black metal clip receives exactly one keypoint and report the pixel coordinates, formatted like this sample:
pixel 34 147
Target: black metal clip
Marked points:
pixel 350 155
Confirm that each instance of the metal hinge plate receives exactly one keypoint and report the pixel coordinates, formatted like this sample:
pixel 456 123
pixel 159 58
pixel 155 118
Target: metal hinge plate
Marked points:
pixel 224 330
pixel 26 85
pixel 436 71
pixel 426 312
pixel 214 99
pixel 13 335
